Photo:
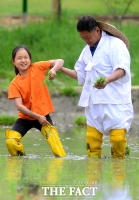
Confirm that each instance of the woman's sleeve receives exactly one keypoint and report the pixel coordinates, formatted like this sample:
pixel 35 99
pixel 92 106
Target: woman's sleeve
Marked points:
pixel 120 58
pixel 79 68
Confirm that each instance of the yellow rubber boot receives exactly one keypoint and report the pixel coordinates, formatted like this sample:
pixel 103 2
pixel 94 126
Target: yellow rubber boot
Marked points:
pixel 94 142
pixel 52 137
pixel 13 143
pixel 118 142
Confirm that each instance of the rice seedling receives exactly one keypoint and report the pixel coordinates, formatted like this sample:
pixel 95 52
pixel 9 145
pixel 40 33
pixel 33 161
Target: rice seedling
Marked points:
pixel 47 78
pixel 100 80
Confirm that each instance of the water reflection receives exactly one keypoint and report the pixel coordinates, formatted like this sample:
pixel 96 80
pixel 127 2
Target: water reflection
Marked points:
pixel 24 177
pixel 118 188
pixel 30 177
pixel 112 184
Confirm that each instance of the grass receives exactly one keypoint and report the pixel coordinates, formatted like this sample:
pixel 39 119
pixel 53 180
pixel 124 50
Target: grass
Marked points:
pixel 52 39
pixel 70 92
pixel 7 120
pixel 80 120
pixel 68 7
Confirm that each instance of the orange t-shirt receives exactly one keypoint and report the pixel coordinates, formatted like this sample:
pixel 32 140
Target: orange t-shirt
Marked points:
pixel 34 93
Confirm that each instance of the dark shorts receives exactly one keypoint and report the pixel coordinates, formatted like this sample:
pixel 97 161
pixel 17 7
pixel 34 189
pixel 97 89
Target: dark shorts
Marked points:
pixel 24 125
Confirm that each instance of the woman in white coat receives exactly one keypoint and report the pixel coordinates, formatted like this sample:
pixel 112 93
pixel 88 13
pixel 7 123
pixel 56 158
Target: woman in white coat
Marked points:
pixel 108 106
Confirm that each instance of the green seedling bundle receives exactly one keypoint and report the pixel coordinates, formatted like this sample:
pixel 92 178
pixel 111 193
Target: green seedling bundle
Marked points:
pixel 100 80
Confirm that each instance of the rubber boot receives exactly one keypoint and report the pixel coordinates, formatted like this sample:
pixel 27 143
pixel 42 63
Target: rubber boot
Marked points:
pixel 118 143
pixel 94 142
pixel 51 135
pixel 13 143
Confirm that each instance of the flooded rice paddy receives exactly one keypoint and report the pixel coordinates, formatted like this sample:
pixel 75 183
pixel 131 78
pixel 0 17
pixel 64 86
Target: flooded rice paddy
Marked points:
pixel 40 176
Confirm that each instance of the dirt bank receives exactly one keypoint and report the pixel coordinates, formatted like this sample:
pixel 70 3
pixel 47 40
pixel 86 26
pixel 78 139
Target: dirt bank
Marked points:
pixel 67 109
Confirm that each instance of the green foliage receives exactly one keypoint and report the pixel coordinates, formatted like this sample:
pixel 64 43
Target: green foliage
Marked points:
pixel 51 40
pixel 80 121
pixel 47 78
pixel 127 150
pixel 116 7
pixel 100 80
pixel 69 8
pixel 7 120
pixel 68 91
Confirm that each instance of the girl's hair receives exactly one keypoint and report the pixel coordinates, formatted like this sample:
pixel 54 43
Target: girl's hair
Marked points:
pixel 17 48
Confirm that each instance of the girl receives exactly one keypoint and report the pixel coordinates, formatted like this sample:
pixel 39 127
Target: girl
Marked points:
pixel 30 96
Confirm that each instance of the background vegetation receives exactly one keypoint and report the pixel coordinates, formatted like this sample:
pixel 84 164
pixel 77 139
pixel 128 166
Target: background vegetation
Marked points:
pixel 69 7
pixel 52 39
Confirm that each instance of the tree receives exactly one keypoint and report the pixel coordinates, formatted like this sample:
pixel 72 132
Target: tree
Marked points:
pixel 56 9
pixel 118 9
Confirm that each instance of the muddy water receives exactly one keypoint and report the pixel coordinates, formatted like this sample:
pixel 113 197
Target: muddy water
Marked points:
pixel 40 175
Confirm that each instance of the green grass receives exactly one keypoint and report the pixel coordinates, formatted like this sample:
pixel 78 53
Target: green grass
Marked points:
pixel 7 120
pixel 68 7
pixel 68 91
pixel 52 39
pixel 80 120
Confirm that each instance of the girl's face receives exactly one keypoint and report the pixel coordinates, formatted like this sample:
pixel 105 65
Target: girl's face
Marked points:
pixel 22 61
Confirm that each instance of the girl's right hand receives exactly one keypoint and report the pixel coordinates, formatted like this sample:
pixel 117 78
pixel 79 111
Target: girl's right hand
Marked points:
pixel 42 120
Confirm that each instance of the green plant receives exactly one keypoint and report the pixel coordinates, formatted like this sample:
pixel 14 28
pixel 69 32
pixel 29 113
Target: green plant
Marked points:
pixel 80 121
pixel 42 47
pixel 70 92
pixel 100 80
pixel 47 78
pixel 7 120
pixel 127 150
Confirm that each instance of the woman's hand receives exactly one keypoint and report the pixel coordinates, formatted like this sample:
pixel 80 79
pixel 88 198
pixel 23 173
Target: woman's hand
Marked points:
pixel 101 86
pixel 101 82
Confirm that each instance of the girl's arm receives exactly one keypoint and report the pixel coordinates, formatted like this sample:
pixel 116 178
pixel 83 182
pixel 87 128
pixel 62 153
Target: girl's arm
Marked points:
pixel 55 66
pixel 20 107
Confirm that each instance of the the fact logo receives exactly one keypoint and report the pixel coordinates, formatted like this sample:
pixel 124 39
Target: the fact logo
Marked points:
pixel 69 191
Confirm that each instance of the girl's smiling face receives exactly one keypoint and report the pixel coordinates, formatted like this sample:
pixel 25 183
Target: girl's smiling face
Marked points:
pixel 22 61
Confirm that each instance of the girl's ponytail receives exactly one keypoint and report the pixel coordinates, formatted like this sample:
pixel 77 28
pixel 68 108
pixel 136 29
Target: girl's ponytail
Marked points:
pixel 16 70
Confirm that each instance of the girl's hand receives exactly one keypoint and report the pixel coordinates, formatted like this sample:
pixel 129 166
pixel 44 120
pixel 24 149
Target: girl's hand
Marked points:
pixel 42 120
pixel 52 74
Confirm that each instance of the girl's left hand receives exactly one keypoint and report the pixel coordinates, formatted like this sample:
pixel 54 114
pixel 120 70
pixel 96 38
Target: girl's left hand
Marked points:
pixel 52 74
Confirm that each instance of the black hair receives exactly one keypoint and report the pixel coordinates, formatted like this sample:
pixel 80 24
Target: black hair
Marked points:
pixel 86 23
pixel 17 48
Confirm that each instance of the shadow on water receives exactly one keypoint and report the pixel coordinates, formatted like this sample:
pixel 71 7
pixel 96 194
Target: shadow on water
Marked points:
pixel 40 176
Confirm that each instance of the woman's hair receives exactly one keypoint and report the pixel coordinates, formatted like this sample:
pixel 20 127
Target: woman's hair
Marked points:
pixel 17 48
pixel 86 23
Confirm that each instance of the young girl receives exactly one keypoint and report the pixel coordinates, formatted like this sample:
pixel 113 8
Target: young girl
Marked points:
pixel 30 95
